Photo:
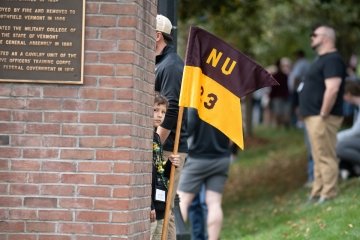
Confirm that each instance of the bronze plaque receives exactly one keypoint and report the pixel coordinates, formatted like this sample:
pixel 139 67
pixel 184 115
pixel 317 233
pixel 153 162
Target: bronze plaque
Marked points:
pixel 42 41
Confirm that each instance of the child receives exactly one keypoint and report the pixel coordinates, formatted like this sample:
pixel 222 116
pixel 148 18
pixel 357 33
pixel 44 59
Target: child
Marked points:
pixel 160 172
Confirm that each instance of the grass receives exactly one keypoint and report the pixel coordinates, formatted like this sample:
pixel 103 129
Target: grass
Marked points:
pixel 265 199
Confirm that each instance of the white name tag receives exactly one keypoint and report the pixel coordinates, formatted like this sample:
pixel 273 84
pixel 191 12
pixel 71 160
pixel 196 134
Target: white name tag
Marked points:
pixel 160 195
pixel 300 87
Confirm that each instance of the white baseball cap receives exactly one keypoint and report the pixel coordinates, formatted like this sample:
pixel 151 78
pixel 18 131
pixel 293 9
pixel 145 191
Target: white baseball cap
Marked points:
pixel 163 25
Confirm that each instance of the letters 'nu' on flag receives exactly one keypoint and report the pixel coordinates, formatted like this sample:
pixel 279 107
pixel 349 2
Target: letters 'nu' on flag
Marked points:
pixel 215 77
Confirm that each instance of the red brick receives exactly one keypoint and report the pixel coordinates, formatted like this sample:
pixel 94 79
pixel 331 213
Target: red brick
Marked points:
pixel 26 116
pixel 94 191
pixel 101 45
pixel 22 237
pixel 123 118
pixel 92 7
pixel 123 167
pixel 60 117
pixel 78 130
pixel 98 238
pixel 113 155
pixel 24 189
pixel 57 190
pixel 40 227
pixel 19 214
pixel 4 164
pixel 96 142
pixel 120 217
pixel 80 105
pixel 104 118
pixel 12 177
pixel 41 104
pixel 122 192
pixel 42 128
pixel 26 92
pixel 95 167
pixel 107 204
pixel 125 142
pixel 111 34
pixel 91 81
pixel 114 106
pixel 60 92
pixel 40 202
pixel 56 166
pixel 125 70
pixel 92 58
pixel 125 94
pixel 75 228
pixel 99 70
pixel 44 177
pixel 79 154
pixel 101 21
pixel 25 165
pixel 77 178
pixel 118 58
pixel 12 103
pixel 5 115
pixel 5 91
pixel 118 9
pixel 10 201
pixel 41 153
pixel 126 45
pixel 11 128
pixel 116 82
pixel 91 33
pixel 95 93
pixel 128 21
pixel 28 141
pixel 54 237
pixel 110 229
pixel 55 215
pixel 4 190
pixel 92 216
pixel 113 179
pixel 79 203
pixel 114 130
pixel 11 226
pixel 139 203
pixel 59 141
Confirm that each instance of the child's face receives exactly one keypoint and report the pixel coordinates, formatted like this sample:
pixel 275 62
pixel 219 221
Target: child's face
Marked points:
pixel 159 114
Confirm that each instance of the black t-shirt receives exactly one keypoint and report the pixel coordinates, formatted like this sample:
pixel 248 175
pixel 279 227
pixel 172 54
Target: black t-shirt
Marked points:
pixel 206 141
pixel 311 95
pixel 168 77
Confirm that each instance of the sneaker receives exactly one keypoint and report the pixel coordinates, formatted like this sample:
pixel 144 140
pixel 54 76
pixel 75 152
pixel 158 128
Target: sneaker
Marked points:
pixel 313 199
pixel 344 174
pixel 323 200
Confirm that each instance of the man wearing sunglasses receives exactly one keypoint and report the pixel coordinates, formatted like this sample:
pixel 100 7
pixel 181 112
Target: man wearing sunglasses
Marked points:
pixel 321 105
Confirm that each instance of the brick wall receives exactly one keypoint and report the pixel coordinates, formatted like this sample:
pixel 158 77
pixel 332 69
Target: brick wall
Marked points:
pixel 75 160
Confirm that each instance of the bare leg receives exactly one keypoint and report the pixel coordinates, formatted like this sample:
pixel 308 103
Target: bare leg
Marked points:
pixel 215 214
pixel 185 201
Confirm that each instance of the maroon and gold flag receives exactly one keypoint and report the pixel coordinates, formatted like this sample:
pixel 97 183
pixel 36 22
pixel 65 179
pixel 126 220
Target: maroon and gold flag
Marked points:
pixel 215 77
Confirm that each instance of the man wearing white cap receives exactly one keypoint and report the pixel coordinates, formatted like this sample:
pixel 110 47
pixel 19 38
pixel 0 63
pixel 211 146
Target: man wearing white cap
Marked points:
pixel 168 76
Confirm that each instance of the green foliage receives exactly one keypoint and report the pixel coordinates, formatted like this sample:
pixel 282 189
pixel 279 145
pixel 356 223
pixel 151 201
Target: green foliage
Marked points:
pixel 267 30
pixel 265 199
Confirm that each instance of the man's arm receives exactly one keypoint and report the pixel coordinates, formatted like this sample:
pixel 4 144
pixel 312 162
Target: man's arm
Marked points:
pixel 332 86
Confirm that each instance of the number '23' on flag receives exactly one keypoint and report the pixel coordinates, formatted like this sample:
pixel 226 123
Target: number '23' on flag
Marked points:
pixel 215 77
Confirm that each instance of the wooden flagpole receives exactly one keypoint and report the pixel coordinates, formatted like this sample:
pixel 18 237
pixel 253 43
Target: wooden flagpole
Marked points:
pixel 172 176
